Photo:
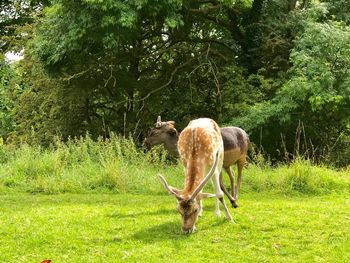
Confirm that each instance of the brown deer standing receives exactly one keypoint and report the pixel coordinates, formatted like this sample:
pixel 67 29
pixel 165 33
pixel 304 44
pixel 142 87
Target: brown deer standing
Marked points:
pixel 236 143
pixel 201 152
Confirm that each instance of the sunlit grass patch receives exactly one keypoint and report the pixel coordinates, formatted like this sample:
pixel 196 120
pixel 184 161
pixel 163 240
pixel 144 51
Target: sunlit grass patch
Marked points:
pixel 124 227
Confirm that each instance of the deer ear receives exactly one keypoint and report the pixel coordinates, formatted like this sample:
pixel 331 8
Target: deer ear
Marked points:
pixel 172 131
pixel 171 123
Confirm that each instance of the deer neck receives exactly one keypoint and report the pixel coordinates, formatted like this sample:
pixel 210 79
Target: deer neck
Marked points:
pixel 171 145
pixel 194 176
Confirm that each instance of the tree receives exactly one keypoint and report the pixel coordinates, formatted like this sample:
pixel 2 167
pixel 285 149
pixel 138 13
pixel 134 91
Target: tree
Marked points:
pixel 16 18
pixel 10 89
pixel 317 93
pixel 124 57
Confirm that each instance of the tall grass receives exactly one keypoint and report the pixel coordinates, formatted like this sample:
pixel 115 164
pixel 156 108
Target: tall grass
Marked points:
pixel 81 165
pixel 118 165
pixel 299 176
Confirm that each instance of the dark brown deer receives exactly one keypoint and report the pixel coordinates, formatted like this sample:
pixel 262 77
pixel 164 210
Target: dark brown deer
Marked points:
pixel 236 143
pixel 163 133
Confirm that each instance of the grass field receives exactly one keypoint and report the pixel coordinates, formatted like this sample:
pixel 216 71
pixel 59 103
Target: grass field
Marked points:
pixel 88 201
pixel 146 228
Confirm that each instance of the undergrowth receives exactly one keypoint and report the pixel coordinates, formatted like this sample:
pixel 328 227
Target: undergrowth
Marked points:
pixel 118 165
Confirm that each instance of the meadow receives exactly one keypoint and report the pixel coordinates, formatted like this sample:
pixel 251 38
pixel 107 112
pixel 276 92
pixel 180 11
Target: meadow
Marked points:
pixel 101 201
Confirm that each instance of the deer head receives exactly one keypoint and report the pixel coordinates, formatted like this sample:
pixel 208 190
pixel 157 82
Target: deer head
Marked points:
pixel 189 205
pixel 162 133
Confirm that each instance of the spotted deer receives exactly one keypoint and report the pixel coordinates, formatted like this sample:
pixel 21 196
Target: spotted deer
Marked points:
pixel 201 152
pixel 236 143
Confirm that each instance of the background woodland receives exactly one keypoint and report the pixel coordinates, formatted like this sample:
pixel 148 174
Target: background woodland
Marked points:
pixel 279 69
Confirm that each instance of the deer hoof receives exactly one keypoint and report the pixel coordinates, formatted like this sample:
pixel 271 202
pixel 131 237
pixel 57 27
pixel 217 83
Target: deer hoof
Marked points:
pixel 234 204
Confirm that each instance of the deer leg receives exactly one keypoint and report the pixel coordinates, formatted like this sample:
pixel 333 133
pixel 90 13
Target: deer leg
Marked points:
pixel 232 179
pixel 200 208
pixel 227 213
pixel 240 165
pixel 229 196
pixel 220 195
pixel 217 204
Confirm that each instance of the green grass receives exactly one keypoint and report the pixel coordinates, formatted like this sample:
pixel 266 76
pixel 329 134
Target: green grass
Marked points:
pixel 80 166
pixel 146 228
pixel 101 201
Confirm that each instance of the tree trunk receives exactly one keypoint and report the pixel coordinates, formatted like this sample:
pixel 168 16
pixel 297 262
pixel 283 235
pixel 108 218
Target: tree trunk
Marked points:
pixel 292 4
pixel 252 38
pixel 304 4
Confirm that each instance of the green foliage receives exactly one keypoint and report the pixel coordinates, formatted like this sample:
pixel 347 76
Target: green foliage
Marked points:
pixel 74 29
pixel 16 19
pixel 9 91
pixel 316 94
pixel 339 10
pixel 45 109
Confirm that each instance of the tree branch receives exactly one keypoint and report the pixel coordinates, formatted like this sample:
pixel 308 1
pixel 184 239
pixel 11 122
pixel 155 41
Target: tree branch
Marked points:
pixel 165 85
pixel 76 75
pixel 215 41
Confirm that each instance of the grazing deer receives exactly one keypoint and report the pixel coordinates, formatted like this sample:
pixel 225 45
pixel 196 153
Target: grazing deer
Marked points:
pixel 236 143
pixel 201 152
pixel 163 133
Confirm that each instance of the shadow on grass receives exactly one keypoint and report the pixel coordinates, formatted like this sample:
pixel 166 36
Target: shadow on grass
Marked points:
pixel 217 223
pixel 170 230
pixel 162 211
